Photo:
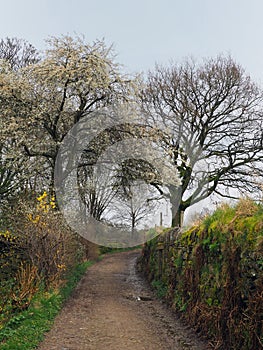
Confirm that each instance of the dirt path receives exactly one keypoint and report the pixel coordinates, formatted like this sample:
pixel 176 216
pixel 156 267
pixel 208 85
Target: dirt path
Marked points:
pixel 104 313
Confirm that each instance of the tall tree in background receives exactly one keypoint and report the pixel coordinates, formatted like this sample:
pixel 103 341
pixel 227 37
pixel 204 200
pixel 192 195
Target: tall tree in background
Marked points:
pixel 136 207
pixel 212 117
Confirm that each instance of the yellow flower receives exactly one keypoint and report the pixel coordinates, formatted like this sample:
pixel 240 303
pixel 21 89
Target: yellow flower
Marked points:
pixel 7 235
pixel 36 220
pixel 53 204
pixel 43 196
pixel 61 266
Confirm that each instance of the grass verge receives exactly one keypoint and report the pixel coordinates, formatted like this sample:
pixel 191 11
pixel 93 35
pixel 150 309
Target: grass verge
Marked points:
pixel 26 330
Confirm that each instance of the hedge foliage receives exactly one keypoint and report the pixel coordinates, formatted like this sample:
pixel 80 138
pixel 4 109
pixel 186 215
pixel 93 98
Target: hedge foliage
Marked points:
pixel 37 249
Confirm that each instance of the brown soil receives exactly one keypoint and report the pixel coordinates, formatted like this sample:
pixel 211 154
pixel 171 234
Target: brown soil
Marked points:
pixel 113 308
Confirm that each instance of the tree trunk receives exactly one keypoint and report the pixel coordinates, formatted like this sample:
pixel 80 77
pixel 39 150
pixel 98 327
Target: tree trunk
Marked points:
pixel 133 223
pixel 178 217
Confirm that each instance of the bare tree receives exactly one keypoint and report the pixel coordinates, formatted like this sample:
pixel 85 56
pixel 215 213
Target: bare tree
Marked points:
pixel 103 180
pixel 96 191
pixel 18 52
pixel 135 206
pixel 212 114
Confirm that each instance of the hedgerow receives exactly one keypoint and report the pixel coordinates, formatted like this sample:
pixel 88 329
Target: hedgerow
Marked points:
pixel 213 275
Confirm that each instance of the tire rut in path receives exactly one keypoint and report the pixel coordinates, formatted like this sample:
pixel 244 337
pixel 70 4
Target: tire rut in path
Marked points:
pixel 113 308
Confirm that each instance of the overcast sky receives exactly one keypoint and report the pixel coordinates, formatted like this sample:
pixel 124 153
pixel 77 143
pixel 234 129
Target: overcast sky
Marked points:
pixel 147 31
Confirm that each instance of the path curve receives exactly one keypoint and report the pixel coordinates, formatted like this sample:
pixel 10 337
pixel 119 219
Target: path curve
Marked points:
pixel 112 308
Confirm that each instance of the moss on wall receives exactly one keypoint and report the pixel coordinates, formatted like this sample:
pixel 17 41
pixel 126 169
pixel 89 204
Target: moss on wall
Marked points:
pixel 213 274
